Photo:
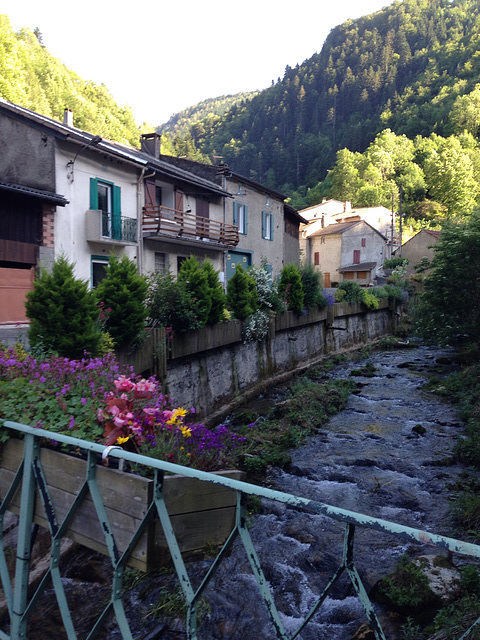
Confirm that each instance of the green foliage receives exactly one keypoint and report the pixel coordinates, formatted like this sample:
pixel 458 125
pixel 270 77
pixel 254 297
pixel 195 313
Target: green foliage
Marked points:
pixel 123 293
pixel 242 297
pixel 393 263
pixel 31 77
pixel 312 288
pixel 170 304
pixel 407 589
pixel 290 287
pixel 196 281
pixel 63 313
pixel 353 291
pixel 448 308
pixel 217 296
pixel 369 300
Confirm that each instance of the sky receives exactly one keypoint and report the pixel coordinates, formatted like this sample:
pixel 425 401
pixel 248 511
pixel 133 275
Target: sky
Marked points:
pixel 160 57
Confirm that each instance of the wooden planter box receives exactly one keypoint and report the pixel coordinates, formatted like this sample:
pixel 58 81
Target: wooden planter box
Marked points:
pixel 201 513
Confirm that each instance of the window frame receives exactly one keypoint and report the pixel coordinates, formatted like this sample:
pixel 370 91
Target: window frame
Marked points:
pixel 267 225
pixel 240 217
pixel 111 220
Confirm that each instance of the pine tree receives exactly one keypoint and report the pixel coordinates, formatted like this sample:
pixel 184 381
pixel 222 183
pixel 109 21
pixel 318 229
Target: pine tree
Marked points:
pixel 196 283
pixel 63 313
pixel 217 295
pixel 123 292
pixel 290 286
pixel 242 296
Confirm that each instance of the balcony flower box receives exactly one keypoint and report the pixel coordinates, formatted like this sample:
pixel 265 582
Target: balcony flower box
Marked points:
pixel 201 513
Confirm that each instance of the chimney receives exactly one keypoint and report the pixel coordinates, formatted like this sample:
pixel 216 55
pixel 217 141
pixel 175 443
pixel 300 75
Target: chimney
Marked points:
pixel 347 206
pixel 151 143
pixel 68 117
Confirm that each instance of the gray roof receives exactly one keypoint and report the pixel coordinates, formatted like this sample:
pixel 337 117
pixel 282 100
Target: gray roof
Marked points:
pixel 48 196
pixel 363 266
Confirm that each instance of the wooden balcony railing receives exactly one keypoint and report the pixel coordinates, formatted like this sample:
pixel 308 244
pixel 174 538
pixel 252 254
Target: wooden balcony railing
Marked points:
pixel 171 222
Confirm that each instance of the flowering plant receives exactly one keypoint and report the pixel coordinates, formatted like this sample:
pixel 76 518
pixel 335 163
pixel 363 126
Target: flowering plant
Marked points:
pixel 137 415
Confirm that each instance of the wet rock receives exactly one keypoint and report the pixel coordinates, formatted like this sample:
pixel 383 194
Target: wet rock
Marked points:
pixel 419 429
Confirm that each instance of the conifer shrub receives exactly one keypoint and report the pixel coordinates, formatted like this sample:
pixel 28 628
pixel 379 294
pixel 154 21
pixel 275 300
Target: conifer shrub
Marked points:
pixel 195 282
pixel 217 296
pixel 170 304
pixel 312 287
pixel 290 287
pixel 123 292
pixel 242 297
pixel 63 313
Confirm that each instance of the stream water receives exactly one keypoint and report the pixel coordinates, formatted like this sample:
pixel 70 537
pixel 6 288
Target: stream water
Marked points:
pixel 367 459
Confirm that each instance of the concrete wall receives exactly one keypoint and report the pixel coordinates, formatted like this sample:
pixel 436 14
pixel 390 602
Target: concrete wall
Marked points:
pixel 352 239
pixel 217 380
pixel 27 155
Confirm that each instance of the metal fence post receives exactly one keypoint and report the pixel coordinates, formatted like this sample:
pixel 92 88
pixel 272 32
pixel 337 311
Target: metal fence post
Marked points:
pixel 22 567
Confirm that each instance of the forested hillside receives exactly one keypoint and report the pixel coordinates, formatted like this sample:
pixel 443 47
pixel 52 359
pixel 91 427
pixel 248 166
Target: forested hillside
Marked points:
pixel 412 67
pixel 31 77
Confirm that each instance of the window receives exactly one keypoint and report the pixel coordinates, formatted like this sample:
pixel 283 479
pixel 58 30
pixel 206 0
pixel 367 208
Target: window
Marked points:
pixel 99 269
pixel 322 240
pixel 161 262
pixel 356 256
pixel 267 200
pixel 364 242
pixel 240 217
pixel 362 275
pixel 349 275
pixel 267 225
pixel 316 258
pixel 105 196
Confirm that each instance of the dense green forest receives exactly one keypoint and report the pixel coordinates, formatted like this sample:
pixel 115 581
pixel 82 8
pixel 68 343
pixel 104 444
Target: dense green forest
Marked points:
pixel 412 68
pixel 31 77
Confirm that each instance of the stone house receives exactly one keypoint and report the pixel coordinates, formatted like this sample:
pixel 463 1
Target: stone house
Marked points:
pixel 345 251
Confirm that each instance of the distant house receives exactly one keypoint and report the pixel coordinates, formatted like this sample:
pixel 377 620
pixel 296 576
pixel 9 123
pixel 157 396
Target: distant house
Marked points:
pixel 345 251
pixel 331 211
pixel 418 247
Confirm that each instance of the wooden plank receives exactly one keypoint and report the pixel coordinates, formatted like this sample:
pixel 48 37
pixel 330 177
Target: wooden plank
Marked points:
pixel 201 512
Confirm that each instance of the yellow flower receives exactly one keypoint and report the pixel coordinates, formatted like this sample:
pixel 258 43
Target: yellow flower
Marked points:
pixel 180 412
pixel 121 440
pixel 182 448
pixel 186 432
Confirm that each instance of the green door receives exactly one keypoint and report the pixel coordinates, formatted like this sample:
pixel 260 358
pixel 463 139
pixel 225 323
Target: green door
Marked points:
pixel 235 258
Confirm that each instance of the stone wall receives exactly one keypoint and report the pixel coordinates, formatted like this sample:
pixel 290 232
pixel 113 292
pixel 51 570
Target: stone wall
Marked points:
pixel 217 380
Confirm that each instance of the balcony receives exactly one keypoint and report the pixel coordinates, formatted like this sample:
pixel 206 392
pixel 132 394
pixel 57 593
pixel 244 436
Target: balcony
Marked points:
pixel 171 223
pixel 107 228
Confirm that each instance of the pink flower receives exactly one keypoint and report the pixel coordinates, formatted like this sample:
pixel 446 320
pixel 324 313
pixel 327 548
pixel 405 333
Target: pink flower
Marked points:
pixel 124 384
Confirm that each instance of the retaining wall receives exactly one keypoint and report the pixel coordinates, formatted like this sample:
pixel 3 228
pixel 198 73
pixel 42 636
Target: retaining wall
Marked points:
pixel 216 379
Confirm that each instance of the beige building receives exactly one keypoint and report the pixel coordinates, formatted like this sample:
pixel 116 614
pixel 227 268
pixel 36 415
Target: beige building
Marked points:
pixel 345 251
pixel 418 247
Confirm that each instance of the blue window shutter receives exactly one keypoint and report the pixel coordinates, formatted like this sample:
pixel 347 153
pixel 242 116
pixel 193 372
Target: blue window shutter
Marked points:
pixel 235 213
pixel 116 213
pixel 93 193
pixel 271 226
pixel 246 219
pixel 263 224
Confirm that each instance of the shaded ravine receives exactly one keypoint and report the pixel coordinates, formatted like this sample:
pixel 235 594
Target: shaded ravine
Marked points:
pixel 369 459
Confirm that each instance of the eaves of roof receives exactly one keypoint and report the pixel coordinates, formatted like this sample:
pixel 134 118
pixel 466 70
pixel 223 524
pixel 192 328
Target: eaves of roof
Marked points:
pixel 363 266
pixel 47 196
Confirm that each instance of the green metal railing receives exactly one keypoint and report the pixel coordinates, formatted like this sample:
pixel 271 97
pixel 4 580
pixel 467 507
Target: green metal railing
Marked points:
pixel 30 477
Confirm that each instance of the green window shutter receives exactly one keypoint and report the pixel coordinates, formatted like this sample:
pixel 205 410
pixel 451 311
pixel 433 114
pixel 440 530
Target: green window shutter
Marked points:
pixel 264 216
pixel 116 213
pixel 246 219
pixel 93 193
pixel 235 213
